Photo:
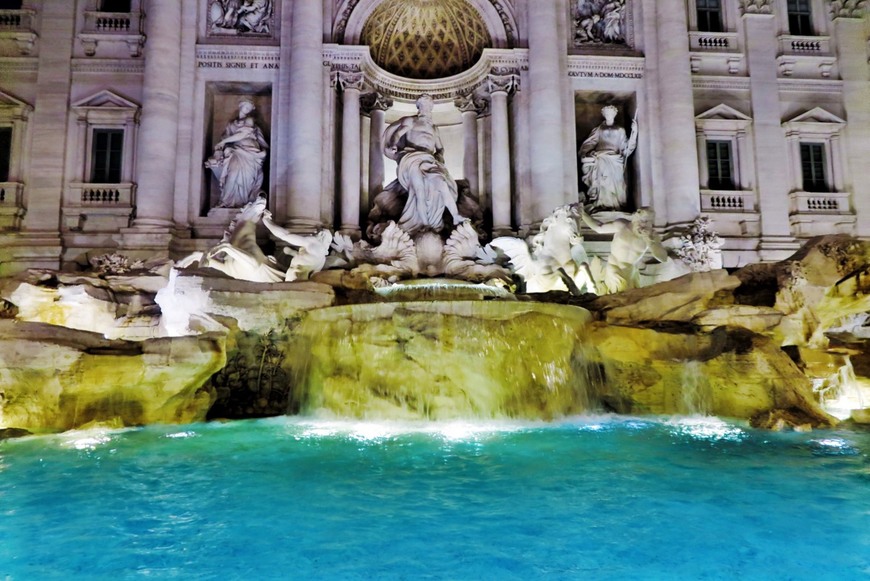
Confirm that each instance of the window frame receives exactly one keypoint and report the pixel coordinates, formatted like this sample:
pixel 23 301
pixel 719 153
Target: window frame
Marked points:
pixel 817 126
pixel 725 124
pixel 93 158
pixel 720 12
pixel 718 183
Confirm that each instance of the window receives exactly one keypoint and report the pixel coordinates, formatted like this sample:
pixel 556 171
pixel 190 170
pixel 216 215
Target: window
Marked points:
pixel 800 18
pixel 709 15
pixel 10 4
pixel 813 167
pixel 107 156
pixel 719 165
pixel 5 152
pixel 115 6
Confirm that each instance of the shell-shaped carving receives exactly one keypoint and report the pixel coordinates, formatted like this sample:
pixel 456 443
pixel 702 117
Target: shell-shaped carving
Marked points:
pixel 426 39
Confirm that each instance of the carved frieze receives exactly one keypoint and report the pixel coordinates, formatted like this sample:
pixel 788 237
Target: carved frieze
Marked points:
pixel 600 23
pixel 240 18
pixel 756 7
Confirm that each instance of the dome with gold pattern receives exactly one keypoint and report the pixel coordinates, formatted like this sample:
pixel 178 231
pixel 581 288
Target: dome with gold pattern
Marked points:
pixel 425 39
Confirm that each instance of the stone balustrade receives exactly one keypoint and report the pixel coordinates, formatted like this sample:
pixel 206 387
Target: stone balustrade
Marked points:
pixel 713 41
pixel 11 210
pixel 819 203
pixel 804 45
pixel 102 194
pixel 112 26
pixel 18 25
pixel 727 201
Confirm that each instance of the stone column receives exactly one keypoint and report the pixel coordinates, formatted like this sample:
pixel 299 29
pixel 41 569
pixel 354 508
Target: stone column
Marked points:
pixel 350 82
pixel 851 42
pixel 158 137
pixel 304 116
pixel 771 151
pixel 704 177
pixel 545 109
pixel 676 114
pixel 376 105
pixel 500 86
pixel 469 106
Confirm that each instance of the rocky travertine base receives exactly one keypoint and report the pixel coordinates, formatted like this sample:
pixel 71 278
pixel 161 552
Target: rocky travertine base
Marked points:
pixel 54 379
pixel 764 343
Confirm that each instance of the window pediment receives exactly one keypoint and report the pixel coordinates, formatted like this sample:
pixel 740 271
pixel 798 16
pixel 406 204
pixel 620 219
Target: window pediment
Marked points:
pixel 13 108
pixel 816 121
pixel 722 118
pixel 106 107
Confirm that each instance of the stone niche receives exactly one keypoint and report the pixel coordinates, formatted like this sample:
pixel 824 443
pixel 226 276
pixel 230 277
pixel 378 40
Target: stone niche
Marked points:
pixel 222 106
pixel 588 116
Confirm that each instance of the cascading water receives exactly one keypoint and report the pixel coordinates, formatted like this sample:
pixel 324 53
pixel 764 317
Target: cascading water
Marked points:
pixel 695 390
pixel 442 360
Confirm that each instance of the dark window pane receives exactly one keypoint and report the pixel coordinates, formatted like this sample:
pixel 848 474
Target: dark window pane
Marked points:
pixel 5 152
pixel 719 165
pixel 800 21
pixel 115 6
pixel 10 4
pixel 709 15
pixel 107 156
pixel 813 167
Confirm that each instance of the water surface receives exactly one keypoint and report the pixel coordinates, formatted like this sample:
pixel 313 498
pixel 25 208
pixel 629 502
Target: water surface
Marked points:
pixel 590 498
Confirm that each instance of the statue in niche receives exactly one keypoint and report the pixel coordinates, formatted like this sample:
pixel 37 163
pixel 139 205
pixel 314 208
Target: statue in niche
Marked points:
pixel 241 15
pixel 423 180
pixel 602 156
pixel 633 238
pixel 599 22
pixel 238 157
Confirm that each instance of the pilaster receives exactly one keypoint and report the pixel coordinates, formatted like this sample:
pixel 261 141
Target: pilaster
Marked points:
pixel 41 244
pixel 676 114
pixel 851 42
pixel 771 150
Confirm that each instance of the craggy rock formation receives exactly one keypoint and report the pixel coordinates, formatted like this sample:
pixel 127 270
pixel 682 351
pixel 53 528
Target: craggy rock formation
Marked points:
pixel 765 343
pixel 54 379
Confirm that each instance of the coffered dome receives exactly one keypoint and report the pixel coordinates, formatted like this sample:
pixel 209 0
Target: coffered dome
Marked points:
pixel 425 39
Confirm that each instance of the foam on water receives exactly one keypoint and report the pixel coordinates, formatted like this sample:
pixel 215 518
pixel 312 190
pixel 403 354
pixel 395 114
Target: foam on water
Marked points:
pixel 598 497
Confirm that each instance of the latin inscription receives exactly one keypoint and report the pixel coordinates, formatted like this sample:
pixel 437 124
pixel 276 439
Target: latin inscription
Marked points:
pixel 249 65
pixel 605 75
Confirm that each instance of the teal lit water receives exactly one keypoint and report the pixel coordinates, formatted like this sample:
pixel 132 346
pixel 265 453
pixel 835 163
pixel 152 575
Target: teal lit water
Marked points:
pixel 593 498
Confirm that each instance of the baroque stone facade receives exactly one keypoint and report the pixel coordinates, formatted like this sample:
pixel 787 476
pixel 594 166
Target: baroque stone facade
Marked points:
pixel 754 115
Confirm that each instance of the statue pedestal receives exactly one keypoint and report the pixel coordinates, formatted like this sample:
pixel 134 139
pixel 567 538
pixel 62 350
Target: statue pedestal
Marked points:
pixel 215 223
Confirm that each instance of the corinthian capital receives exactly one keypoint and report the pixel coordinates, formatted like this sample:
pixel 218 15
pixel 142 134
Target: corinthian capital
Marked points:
pixel 471 102
pixel 503 80
pixel 345 78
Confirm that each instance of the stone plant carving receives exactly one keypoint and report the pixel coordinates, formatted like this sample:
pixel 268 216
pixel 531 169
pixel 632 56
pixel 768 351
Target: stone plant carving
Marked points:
pixel 599 21
pixel 848 8
pixel 603 155
pixel 238 157
pixel 240 16
pixel 755 7
pixel 700 247
pixel 114 264
pixel 555 259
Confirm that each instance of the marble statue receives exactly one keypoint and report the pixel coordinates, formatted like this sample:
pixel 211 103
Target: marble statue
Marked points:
pixel 603 155
pixel 241 15
pixel 238 157
pixel 700 247
pixel 633 239
pixel 599 21
pixel 238 255
pixel 414 143
pixel 556 259
pixel 308 252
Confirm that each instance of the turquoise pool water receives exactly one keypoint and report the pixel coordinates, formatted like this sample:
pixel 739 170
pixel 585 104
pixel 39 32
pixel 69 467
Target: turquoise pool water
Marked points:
pixel 591 498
